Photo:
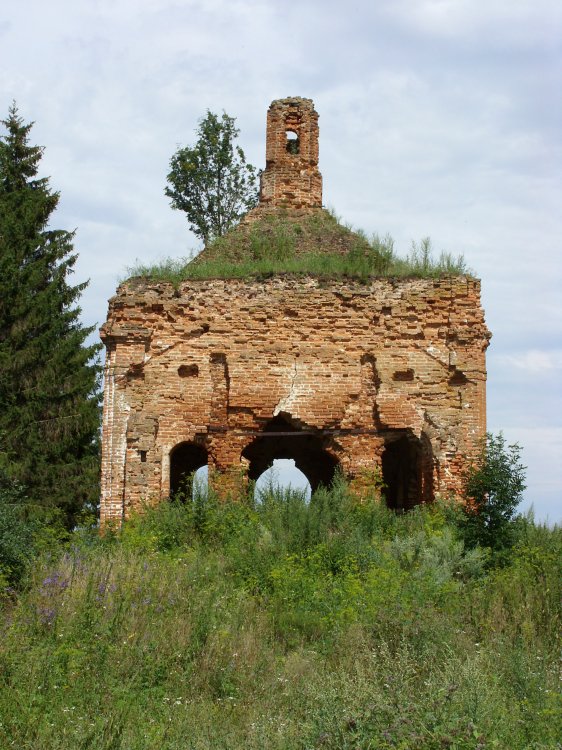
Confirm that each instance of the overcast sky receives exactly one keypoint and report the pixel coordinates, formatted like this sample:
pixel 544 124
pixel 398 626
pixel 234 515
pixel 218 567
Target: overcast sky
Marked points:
pixel 437 117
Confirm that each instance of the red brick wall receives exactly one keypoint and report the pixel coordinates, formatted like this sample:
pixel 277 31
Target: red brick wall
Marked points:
pixel 356 365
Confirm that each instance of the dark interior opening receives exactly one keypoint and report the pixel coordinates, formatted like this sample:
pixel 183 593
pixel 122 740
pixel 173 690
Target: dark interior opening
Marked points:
pixel 282 439
pixel 407 470
pixel 185 459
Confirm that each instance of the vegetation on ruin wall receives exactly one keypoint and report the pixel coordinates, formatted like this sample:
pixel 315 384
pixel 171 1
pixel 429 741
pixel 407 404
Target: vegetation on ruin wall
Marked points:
pixel 316 245
pixel 283 624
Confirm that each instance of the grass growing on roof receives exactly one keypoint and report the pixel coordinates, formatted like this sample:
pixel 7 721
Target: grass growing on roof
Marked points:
pixel 317 245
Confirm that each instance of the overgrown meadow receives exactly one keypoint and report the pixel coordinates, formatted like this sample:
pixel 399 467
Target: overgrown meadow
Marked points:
pixel 281 623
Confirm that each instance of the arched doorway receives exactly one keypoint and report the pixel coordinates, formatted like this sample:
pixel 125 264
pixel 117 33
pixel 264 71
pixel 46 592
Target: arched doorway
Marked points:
pixel 185 459
pixel 407 470
pixel 283 439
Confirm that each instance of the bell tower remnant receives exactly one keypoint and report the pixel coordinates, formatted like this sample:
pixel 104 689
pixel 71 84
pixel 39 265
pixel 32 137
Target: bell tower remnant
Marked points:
pixel 291 178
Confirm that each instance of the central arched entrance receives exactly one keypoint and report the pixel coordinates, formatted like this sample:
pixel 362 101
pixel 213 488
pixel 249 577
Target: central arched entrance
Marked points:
pixel 281 439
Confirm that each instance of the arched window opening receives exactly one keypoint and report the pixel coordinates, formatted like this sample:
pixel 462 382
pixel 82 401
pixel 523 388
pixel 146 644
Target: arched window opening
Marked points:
pixel 282 475
pixel 407 470
pixel 292 145
pixel 186 459
pixel 281 439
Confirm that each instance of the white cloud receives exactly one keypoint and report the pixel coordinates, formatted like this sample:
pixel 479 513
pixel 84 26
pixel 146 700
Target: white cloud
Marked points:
pixel 533 360
pixel 519 23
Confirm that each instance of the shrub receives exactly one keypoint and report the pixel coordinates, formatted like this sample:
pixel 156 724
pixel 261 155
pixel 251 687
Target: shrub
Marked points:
pixel 493 488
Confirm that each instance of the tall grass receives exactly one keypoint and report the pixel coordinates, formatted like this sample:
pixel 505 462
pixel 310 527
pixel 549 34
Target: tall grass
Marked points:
pixel 259 253
pixel 284 624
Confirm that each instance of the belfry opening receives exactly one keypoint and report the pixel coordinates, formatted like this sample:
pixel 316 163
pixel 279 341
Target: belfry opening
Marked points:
pixel 293 143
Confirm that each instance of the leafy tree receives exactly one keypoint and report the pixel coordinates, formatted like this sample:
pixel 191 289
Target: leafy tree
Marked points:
pixel 49 378
pixel 211 180
pixel 494 485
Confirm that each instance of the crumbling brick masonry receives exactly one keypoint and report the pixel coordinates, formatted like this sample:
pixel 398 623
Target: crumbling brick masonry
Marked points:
pixel 233 373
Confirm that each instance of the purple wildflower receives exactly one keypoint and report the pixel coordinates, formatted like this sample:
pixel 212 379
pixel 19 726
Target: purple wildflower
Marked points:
pixel 47 615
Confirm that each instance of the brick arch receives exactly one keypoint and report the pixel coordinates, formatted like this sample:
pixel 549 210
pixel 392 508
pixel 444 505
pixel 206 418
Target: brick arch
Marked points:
pixel 283 438
pixel 185 459
pixel 407 467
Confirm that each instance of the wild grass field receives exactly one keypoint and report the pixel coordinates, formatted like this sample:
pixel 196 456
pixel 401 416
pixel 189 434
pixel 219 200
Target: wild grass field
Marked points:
pixel 285 624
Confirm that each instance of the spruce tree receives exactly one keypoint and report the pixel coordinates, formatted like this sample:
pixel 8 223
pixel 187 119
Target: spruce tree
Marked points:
pixel 49 376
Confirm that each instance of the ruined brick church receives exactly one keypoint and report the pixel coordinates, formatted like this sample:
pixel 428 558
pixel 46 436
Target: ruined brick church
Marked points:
pixel 381 376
